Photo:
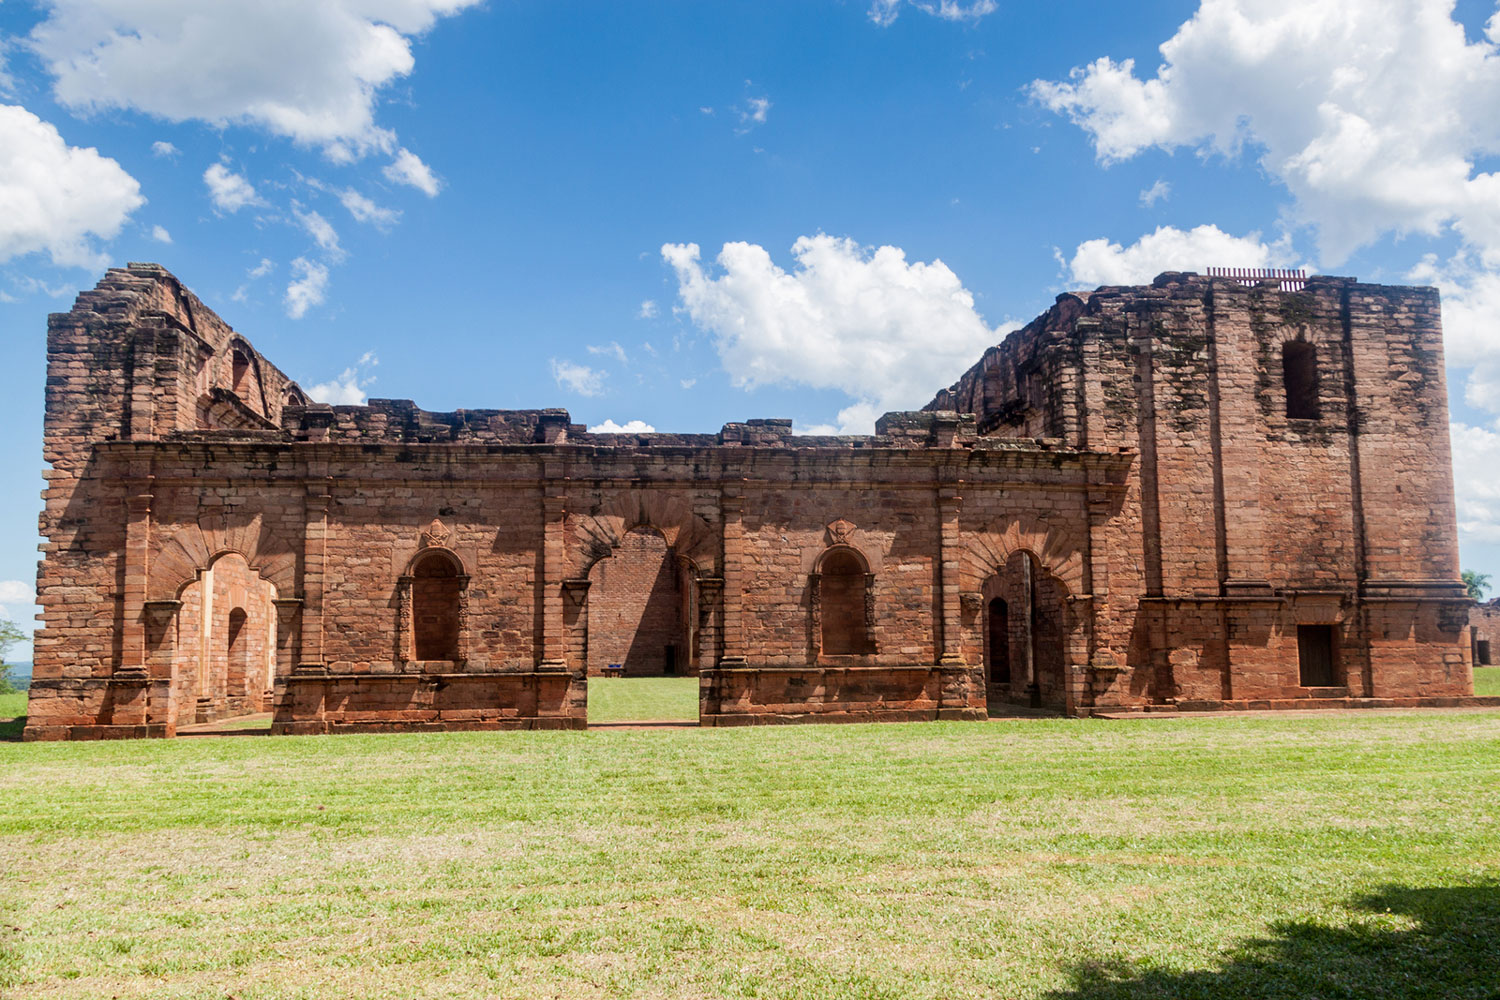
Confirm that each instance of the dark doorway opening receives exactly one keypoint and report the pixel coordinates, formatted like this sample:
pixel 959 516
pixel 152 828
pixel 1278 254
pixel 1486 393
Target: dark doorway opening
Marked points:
pixel 1315 659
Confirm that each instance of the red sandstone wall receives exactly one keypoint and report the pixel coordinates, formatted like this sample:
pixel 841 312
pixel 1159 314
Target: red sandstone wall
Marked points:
pixel 635 609
pixel 1182 524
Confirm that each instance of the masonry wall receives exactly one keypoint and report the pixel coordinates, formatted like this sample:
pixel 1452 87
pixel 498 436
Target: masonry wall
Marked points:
pixel 1133 444
pixel 1252 521
pixel 635 609
pixel 1484 628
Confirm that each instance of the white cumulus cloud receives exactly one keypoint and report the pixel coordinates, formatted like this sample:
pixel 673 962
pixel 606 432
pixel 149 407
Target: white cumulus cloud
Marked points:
pixel 320 230
pixel 610 350
pixel 885 12
pixel 754 113
pixel 365 210
pixel 16 594
pixel 887 332
pixel 1374 115
pixel 1476 456
pixel 348 389
pixel 160 234
pixel 1100 262
pixel 628 427
pixel 228 190
pixel 648 310
pixel 578 378
pixel 311 72
pixel 409 169
pixel 55 198
pixel 163 148
pixel 1471 301
pixel 308 287
pixel 1160 191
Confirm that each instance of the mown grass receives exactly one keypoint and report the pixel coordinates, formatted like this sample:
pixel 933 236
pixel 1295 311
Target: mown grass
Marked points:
pixel 1280 856
pixel 642 699
pixel 1487 681
pixel 12 704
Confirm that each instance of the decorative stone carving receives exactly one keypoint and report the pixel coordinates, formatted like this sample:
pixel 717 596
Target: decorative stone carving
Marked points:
pixel 436 535
pixel 405 625
pixel 840 531
pixel 576 591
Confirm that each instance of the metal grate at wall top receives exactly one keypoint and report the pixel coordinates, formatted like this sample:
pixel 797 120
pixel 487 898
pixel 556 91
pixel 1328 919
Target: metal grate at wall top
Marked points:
pixel 1291 280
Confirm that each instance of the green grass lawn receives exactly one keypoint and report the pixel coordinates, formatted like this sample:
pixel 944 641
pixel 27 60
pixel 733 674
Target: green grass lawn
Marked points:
pixel 641 699
pixel 1278 856
pixel 1487 681
pixel 12 705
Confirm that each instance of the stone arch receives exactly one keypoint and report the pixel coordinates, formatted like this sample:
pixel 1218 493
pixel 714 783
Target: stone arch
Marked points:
pixel 221 641
pixel 842 602
pixel 452 558
pixel 433 607
pixel 842 549
pixel 244 373
pixel 184 551
pixel 596 535
pixel 1058 552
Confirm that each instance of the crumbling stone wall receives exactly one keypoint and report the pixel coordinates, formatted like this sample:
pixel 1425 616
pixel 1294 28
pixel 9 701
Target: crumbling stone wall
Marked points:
pixel 1133 447
pixel 1484 626
pixel 1241 520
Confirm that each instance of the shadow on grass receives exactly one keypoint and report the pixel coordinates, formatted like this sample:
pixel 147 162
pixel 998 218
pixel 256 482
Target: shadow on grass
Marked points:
pixel 1444 947
pixel 10 729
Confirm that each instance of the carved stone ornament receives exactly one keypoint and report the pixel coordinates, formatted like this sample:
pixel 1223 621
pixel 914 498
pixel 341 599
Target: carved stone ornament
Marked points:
pixel 436 535
pixel 839 532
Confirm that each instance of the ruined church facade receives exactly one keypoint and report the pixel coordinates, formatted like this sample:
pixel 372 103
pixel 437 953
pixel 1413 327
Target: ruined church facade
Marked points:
pixel 1204 493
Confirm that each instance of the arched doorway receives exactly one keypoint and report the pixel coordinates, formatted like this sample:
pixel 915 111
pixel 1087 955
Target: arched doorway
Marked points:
pixel 638 602
pixel 226 643
pixel 1025 629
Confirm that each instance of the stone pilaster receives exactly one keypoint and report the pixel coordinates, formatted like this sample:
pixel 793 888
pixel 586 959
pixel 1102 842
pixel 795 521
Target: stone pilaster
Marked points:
pixel 314 569
pixel 732 505
pixel 137 556
pixel 949 503
pixel 554 565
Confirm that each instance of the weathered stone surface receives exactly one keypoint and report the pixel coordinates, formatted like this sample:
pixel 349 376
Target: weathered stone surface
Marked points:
pixel 1484 627
pixel 1112 509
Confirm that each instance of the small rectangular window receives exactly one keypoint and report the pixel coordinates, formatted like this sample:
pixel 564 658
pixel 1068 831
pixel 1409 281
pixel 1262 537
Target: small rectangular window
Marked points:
pixel 1299 370
pixel 1315 655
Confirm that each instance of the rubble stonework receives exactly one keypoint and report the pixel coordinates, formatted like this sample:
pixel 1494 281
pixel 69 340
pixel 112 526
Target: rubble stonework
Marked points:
pixel 1195 494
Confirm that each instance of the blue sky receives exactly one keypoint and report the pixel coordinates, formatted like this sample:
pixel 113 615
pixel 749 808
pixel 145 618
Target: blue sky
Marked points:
pixel 495 203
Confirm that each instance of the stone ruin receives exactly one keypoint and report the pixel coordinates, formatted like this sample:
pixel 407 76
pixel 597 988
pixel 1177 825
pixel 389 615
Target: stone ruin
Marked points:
pixel 1203 493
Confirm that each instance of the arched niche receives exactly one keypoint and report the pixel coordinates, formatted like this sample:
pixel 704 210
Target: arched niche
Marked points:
pixel 432 608
pixel 842 599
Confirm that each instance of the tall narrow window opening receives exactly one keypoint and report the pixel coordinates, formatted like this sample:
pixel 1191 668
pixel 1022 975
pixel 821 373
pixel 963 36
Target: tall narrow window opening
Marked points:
pixel 237 652
pixel 1315 655
pixel 999 648
pixel 239 370
pixel 1299 368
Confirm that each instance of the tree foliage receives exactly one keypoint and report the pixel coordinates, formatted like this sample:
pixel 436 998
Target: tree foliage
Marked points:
pixel 1478 583
pixel 10 634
